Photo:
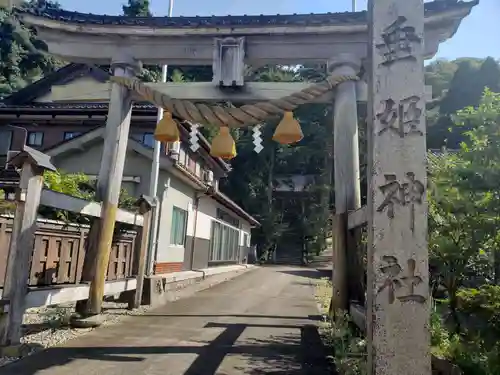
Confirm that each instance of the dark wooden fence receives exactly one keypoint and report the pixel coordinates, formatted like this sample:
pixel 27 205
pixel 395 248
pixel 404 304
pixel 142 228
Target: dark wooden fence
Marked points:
pixel 59 252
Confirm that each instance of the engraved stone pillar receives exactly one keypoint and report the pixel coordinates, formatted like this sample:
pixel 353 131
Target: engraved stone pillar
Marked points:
pixel 398 293
pixel 346 167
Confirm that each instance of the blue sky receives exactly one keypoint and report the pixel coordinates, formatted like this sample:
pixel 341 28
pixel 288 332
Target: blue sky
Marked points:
pixel 475 37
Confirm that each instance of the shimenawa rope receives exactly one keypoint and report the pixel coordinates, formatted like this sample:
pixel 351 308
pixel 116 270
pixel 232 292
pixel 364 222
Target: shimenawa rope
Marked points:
pixel 249 114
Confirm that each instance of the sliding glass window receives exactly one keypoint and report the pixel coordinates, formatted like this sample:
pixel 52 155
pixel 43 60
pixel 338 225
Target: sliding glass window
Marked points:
pixel 224 244
pixel 179 226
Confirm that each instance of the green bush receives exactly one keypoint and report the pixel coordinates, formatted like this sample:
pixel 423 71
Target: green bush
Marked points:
pixel 473 357
pixel 6 207
pixel 476 350
pixel 440 337
pixel 483 305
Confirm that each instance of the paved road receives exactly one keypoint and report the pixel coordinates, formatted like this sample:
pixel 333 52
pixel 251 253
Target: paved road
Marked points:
pixel 259 323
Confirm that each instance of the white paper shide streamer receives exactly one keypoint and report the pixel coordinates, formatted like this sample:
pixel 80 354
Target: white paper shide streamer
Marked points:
pixel 257 139
pixel 193 137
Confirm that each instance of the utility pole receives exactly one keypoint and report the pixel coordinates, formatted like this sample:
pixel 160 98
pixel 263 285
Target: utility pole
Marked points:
pixel 155 171
pixel 353 5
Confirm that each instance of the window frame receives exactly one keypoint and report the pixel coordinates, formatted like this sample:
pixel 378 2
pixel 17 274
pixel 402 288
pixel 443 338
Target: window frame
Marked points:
pixel 176 226
pixel 10 135
pixel 75 134
pixel 224 242
pixel 148 134
pixel 35 133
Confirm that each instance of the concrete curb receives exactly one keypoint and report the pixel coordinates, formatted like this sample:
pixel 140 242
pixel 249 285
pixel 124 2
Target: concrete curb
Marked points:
pixel 161 289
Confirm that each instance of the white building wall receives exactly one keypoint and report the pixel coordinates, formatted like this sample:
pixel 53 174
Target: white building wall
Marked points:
pixel 180 195
pixel 245 229
pixel 207 211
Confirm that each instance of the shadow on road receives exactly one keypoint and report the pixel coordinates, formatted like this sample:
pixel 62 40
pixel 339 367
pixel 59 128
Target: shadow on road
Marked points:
pixel 243 316
pixel 278 355
pixel 308 273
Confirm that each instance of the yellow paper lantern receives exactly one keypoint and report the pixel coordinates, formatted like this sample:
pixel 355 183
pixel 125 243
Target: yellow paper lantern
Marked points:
pixel 166 130
pixel 223 145
pixel 288 130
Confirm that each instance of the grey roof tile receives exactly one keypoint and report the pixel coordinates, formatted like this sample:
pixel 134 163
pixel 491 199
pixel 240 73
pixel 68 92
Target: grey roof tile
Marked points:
pixel 230 21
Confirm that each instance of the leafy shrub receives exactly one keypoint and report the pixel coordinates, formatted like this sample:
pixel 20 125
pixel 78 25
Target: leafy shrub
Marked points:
pixel 440 337
pixel 348 349
pixel 482 305
pixel 473 357
pixel 6 207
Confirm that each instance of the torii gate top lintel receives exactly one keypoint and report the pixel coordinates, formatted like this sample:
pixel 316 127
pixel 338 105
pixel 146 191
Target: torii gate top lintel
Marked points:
pixel 268 39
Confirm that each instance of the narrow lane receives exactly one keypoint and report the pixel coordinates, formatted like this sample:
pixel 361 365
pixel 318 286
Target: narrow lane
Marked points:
pixel 257 323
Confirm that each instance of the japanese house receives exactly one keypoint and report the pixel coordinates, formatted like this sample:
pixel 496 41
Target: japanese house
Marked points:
pixel 64 115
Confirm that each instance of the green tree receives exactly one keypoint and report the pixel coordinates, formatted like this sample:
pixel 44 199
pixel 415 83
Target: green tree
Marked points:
pixel 481 171
pixel 464 89
pixel 137 8
pixel 438 74
pixel 455 230
pixel 456 85
pixel 464 209
pixel 489 75
pixel 20 63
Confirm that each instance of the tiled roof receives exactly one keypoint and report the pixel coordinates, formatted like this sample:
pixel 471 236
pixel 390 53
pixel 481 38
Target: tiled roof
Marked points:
pixel 231 21
pixel 90 106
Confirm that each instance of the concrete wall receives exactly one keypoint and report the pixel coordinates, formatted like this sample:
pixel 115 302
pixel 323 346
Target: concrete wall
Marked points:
pixel 84 88
pixel 137 167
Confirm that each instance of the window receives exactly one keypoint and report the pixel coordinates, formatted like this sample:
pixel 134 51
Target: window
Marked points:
pixel 71 135
pixel 246 241
pixel 5 141
pixel 148 140
pixel 35 139
pixel 179 226
pixel 224 242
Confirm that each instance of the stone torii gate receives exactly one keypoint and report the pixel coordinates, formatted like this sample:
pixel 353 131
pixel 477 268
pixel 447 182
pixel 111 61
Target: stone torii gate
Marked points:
pixel 391 42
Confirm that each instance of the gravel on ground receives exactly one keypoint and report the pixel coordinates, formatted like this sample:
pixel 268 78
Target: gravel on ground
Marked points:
pixel 45 327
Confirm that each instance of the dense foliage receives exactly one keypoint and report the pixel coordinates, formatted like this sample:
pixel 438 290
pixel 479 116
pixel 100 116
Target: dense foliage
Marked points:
pixel 464 217
pixel 456 85
pixel 20 66
pixel 77 185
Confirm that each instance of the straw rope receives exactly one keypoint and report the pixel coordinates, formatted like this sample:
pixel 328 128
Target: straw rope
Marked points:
pixel 249 114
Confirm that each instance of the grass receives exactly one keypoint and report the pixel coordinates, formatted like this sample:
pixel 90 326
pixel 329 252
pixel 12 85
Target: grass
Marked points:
pixel 347 348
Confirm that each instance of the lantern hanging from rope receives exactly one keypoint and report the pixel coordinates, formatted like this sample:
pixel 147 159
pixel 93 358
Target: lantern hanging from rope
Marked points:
pixel 223 145
pixel 167 130
pixel 288 130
